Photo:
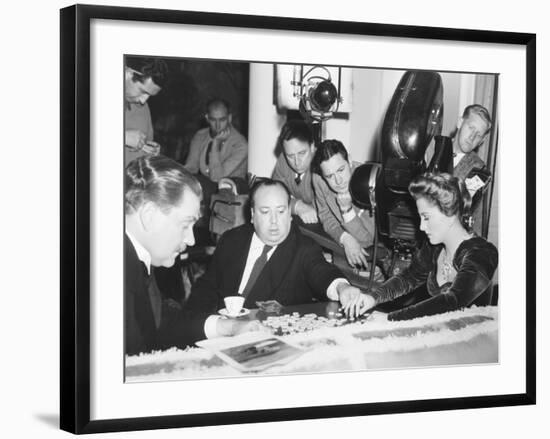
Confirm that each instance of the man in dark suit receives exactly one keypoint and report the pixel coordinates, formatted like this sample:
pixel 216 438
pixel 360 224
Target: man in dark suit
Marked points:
pixel 268 259
pixel 162 203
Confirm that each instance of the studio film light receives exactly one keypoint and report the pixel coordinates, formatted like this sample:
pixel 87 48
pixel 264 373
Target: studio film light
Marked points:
pixel 319 97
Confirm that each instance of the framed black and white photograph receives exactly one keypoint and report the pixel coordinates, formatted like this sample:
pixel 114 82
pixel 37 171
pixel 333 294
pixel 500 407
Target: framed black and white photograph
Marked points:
pixel 308 207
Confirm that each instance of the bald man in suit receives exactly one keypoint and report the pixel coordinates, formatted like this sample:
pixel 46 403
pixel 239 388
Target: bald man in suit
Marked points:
pixel 292 269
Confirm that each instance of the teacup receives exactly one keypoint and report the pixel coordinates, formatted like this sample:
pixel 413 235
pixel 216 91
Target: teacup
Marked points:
pixel 233 305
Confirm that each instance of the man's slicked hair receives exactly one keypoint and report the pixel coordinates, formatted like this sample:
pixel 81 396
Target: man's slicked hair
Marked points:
pixel 144 68
pixel 159 180
pixel 295 129
pixel 325 151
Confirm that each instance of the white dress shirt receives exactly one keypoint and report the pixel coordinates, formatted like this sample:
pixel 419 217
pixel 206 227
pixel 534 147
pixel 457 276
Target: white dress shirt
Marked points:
pixel 254 252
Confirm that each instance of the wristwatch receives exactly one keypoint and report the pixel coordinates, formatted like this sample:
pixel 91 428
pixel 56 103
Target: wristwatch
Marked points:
pixel 348 210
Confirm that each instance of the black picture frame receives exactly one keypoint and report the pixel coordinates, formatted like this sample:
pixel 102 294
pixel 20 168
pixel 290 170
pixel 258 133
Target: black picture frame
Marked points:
pixel 75 217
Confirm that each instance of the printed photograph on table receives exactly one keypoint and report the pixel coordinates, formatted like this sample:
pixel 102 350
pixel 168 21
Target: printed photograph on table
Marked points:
pixel 331 218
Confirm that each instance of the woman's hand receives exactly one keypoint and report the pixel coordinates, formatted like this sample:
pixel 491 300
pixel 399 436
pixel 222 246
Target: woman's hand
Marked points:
pixel 355 254
pixel 359 305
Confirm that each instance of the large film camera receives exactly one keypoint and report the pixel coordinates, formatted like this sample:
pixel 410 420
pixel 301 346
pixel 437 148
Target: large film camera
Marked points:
pixel 413 119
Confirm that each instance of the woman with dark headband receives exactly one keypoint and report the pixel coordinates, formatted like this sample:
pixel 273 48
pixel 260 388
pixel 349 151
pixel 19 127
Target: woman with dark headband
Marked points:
pixel 456 266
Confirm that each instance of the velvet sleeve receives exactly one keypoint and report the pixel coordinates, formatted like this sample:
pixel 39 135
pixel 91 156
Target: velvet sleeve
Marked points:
pixel 411 278
pixel 476 265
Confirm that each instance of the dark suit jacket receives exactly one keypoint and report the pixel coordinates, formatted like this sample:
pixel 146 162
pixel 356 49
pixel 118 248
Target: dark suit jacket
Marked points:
pixel 296 272
pixel 141 333
pixel 467 164
pixel 475 262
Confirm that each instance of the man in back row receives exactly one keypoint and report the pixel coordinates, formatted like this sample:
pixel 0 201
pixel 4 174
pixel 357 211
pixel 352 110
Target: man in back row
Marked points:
pixel 219 150
pixel 293 168
pixel 143 77
pixel 472 130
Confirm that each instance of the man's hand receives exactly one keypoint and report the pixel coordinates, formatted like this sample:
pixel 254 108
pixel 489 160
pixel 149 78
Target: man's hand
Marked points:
pixel 306 212
pixel 355 254
pixel 344 201
pixel 347 294
pixel 223 135
pixel 217 143
pixel 134 139
pixel 359 305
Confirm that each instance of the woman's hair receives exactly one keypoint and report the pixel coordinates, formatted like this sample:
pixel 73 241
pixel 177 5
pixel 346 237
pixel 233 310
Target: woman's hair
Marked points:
pixel 157 179
pixel 325 151
pixel 448 193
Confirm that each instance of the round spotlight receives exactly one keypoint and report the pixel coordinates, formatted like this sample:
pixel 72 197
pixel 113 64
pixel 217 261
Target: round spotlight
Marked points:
pixel 323 96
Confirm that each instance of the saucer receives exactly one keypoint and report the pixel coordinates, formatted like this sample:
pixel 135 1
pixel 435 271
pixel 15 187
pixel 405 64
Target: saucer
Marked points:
pixel 243 312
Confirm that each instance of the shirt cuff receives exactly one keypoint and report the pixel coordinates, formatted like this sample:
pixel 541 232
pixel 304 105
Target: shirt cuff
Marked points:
pixel 349 216
pixel 210 326
pixel 332 291
pixel 341 240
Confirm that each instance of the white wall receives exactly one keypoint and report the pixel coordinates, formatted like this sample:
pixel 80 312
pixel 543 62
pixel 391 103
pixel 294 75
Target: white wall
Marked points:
pixel 358 130
pixel 264 122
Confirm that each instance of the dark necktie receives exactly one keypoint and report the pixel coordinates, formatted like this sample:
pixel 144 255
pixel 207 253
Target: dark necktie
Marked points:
pixel 256 270
pixel 208 149
pixel 154 297
pixel 298 179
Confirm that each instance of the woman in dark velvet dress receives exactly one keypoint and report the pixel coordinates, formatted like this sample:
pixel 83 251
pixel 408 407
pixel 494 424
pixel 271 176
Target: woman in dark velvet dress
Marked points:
pixel 456 266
